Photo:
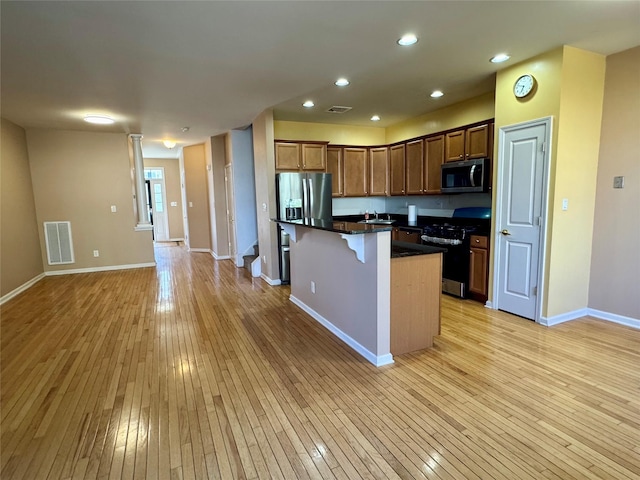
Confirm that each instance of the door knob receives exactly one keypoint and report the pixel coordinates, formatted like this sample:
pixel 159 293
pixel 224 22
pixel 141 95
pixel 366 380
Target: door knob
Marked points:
pixel 505 232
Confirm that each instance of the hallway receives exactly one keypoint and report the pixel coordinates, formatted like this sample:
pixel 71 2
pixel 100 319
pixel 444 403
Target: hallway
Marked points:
pixel 193 369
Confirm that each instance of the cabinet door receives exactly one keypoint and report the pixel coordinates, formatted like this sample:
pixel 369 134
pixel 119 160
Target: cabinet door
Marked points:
pixel 415 167
pixel 379 171
pixel 408 236
pixel 477 142
pixel 478 263
pixel 454 146
pixel 335 168
pixel 397 169
pixel 434 158
pixel 314 156
pixel 287 156
pixel 356 173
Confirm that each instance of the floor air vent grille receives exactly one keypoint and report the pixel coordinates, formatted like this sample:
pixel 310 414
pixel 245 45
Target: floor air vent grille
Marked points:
pixel 59 244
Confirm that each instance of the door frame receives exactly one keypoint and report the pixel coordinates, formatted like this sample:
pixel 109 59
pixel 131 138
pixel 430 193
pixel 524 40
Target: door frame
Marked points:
pixel 544 224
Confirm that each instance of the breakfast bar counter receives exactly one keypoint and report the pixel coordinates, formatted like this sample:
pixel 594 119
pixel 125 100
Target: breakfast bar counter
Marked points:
pixel 344 276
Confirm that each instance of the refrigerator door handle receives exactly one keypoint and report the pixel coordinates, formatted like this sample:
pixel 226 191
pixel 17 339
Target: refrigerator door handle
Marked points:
pixel 305 199
pixel 311 207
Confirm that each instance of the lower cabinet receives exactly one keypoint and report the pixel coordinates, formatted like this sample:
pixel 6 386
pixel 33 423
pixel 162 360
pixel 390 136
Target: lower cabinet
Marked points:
pixel 479 268
pixel 406 234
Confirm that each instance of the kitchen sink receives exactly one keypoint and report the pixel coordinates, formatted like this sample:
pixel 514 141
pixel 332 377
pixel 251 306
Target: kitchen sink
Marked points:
pixel 377 221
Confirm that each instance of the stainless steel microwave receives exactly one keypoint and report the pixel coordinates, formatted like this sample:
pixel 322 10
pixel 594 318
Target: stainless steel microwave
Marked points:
pixel 466 176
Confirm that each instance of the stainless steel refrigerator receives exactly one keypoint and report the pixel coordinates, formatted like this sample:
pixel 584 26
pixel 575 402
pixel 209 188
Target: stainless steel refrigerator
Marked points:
pixel 300 195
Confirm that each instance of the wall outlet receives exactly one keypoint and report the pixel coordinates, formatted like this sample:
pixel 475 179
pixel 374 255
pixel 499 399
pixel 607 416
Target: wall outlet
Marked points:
pixel 264 259
pixel 96 253
pixel 113 209
pixel 618 182
pixel 313 287
pixel 565 204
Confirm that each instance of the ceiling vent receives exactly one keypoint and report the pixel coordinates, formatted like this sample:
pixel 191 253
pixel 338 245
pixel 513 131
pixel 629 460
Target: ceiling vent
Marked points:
pixel 339 109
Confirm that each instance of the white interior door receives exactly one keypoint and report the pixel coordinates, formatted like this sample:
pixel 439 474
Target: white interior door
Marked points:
pixel 521 216
pixel 228 184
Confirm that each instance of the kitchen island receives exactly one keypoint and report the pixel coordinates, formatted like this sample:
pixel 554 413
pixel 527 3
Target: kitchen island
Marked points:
pixel 382 299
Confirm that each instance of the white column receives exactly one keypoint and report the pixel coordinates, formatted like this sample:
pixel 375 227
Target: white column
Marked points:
pixel 138 168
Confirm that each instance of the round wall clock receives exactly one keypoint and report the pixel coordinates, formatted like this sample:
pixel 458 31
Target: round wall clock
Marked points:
pixel 524 86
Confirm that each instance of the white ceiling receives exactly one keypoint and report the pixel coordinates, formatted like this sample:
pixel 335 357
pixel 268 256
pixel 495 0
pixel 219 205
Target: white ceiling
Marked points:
pixel 213 66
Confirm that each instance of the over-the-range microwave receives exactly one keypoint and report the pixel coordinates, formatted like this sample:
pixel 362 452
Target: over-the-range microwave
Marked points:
pixel 466 176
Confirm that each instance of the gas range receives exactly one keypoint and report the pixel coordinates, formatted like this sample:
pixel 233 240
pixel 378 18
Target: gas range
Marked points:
pixel 445 234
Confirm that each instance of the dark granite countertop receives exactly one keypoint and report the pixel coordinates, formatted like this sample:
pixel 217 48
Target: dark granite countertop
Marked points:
pixel 338 226
pixel 404 249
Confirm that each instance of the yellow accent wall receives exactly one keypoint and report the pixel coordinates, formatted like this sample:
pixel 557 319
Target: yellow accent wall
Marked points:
pixel 464 113
pixel 324 132
pixel 570 85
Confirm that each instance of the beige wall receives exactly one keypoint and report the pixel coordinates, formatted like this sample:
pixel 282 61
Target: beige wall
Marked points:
pixel 171 168
pixel 464 113
pixel 20 258
pixel 615 259
pixel 195 179
pixel 77 176
pixel 264 167
pixel 217 157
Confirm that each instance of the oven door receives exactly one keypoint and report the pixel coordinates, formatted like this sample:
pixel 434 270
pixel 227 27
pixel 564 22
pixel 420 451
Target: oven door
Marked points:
pixel 455 268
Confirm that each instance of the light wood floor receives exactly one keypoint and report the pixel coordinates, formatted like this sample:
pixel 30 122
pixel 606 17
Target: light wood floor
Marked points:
pixel 194 370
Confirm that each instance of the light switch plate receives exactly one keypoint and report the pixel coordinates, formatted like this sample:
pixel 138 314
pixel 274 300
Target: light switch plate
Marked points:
pixel 618 182
pixel 565 204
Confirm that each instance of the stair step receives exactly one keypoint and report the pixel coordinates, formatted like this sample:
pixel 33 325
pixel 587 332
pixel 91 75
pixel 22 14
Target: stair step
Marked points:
pixel 247 260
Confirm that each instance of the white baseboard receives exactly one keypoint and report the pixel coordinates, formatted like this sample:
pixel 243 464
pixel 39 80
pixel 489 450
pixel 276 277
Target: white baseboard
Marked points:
pixel 489 304
pixel 220 257
pixel 199 250
pixel 21 288
pixel 377 360
pixel 612 317
pixel 99 269
pixel 270 281
pixel 564 317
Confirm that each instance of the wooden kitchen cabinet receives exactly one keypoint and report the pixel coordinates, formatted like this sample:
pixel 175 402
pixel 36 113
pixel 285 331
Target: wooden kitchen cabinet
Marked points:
pixel 356 171
pixel 336 169
pixel 379 171
pixel 305 156
pixel 414 156
pixel 434 158
pixel 397 169
pixel 469 143
pixel 287 156
pixel 406 234
pixel 479 268
pixel 314 156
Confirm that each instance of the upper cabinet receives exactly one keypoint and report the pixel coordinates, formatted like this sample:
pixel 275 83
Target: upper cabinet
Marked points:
pixel 434 158
pixel 301 155
pixel 356 171
pixel 336 169
pixel 465 144
pixel 414 157
pixel 379 171
pixel 397 169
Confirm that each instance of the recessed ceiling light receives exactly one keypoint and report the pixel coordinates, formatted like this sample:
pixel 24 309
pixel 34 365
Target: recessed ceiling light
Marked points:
pixel 99 119
pixel 501 57
pixel 375 118
pixel 436 94
pixel 169 143
pixel 408 39
pixel 308 104
pixel 342 82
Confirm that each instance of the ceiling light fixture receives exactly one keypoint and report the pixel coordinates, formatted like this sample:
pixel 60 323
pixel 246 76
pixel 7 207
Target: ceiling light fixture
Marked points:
pixel 99 119
pixel 342 82
pixel 308 104
pixel 436 94
pixel 169 143
pixel 185 129
pixel 375 118
pixel 501 57
pixel 408 39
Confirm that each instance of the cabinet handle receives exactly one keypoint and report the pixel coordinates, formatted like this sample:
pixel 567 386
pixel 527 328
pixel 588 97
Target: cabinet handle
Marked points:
pixel 460 156
pixel 477 241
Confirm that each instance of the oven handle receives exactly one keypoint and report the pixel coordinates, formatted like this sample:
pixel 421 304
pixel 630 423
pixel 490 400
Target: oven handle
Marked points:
pixel 471 172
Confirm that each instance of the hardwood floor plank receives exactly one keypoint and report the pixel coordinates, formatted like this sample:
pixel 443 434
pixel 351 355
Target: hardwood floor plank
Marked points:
pixel 196 370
